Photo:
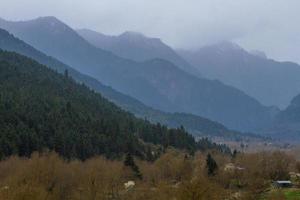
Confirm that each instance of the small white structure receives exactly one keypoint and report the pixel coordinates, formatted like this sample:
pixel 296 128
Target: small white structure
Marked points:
pixel 232 167
pixel 129 185
pixel 283 184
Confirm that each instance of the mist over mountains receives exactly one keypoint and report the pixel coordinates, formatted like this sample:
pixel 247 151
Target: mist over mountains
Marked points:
pixel 195 124
pixel 157 83
pixel 138 99
pixel 270 82
pixel 158 80
pixel 286 125
pixel 136 46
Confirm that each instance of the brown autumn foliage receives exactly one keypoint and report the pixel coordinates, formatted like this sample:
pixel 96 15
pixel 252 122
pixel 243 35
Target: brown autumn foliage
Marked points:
pixel 174 175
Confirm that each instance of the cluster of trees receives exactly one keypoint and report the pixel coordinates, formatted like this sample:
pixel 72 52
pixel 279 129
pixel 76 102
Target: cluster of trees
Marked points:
pixel 41 109
pixel 174 175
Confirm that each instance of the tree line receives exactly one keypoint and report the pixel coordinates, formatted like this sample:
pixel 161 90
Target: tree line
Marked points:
pixel 41 109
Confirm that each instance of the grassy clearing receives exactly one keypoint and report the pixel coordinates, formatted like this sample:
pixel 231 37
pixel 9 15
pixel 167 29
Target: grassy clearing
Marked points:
pixel 281 194
pixel 292 194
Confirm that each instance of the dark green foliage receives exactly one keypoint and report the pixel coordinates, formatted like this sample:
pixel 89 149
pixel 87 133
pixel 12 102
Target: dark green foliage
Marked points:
pixel 149 155
pixel 159 134
pixel 234 153
pixel 41 109
pixel 211 165
pixel 204 144
pixel 66 73
pixel 194 124
pixel 129 162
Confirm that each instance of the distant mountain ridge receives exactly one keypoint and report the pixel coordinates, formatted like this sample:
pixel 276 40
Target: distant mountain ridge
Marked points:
pixel 136 46
pixel 258 53
pixel 272 83
pixel 292 113
pixel 286 125
pixel 157 83
pixel 197 125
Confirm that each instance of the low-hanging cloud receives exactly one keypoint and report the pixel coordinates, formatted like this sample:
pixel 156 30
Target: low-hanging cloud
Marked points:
pixel 269 25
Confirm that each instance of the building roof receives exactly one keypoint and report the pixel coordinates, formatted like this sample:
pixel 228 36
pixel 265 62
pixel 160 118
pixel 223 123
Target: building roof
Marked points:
pixel 283 182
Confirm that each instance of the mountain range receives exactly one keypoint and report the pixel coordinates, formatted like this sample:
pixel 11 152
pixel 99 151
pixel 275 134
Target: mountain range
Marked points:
pixel 138 47
pixel 158 83
pixel 41 109
pixel 271 82
pixel 197 125
pixel 286 125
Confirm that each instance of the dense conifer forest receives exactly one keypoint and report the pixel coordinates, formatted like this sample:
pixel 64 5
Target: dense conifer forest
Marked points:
pixel 41 109
pixel 194 124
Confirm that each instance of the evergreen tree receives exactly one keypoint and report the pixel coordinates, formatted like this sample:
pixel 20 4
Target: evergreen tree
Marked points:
pixel 149 155
pixel 66 73
pixel 211 165
pixel 234 154
pixel 129 162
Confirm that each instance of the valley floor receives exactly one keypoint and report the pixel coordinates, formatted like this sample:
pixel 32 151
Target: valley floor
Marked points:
pixel 174 175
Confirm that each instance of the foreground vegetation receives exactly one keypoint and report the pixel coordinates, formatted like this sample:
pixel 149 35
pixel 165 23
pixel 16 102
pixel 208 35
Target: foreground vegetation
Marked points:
pixel 103 152
pixel 174 175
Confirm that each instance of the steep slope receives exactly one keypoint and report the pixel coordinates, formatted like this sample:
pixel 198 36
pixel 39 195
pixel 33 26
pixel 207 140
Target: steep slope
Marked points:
pixel 292 113
pixel 269 81
pixel 40 109
pixel 226 104
pixel 197 125
pixel 136 46
pixel 157 83
pixel 287 123
pixel 56 39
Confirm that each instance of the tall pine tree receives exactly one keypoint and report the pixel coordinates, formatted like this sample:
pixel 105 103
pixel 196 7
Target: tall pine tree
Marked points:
pixel 211 165
pixel 129 162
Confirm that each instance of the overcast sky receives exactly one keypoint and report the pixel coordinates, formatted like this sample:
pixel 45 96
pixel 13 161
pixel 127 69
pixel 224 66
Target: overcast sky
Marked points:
pixel 269 25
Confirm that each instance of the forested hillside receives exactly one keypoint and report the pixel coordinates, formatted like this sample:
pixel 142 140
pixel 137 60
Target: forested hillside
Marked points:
pixel 157 83
pixel 41 109
pixel 195 124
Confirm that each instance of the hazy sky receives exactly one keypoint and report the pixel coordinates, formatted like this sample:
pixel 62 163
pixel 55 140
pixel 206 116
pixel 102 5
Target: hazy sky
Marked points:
pixel 269 25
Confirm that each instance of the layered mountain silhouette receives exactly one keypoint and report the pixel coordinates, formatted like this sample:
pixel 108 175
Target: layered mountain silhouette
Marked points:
pixel 287 123
pixel 41 109
pixel 157 83
pixel 269 81
pixel 195 124
pixel 136 46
